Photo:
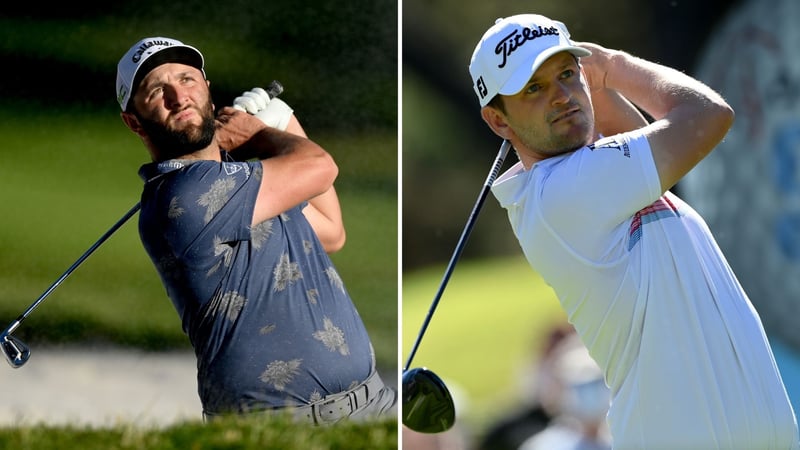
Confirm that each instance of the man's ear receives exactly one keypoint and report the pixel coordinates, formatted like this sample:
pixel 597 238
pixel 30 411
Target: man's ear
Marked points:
pixel 496 121
pixel 208 83
pixel 132 122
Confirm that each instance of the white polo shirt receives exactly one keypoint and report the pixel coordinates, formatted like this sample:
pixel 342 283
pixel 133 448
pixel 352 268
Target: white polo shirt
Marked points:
pixel 653 299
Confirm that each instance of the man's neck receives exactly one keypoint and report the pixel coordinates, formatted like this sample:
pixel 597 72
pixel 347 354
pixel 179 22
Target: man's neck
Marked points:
pixel 212 153
pixel 528 159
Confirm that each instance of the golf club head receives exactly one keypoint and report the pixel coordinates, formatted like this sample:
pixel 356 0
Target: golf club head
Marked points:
pixel 427 404
pixel 15 351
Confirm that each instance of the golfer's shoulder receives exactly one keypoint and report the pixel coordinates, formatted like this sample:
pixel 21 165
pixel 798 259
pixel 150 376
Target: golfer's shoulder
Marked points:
pixel 210 172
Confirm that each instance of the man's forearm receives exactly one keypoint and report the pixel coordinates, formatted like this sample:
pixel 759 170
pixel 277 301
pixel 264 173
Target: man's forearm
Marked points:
pixel 266 144
pixel 614 113
pixel 325 216
pixel 253 140
pixel 655 88
pixel 690 119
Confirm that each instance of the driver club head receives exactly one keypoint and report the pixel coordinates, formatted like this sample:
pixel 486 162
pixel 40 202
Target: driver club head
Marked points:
pixel 15 351
pixel 427 404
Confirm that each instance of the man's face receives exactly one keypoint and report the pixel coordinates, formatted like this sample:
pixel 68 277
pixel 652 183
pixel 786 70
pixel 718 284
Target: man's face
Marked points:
pixel 553 113
pixel 174 107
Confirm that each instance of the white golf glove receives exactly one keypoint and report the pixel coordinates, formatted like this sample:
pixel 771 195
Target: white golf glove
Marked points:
pixel 272 111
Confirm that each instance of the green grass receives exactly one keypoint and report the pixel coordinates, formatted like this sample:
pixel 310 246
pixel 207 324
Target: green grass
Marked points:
pixel 67 176
pixel 229 433
pixel 488 324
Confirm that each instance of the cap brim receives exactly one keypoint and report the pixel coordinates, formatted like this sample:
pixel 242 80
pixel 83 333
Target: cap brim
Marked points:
pixel 520 78
pixel 182 54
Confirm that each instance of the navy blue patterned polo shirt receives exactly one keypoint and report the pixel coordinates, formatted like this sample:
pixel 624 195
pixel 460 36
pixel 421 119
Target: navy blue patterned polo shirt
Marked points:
pixel 269 317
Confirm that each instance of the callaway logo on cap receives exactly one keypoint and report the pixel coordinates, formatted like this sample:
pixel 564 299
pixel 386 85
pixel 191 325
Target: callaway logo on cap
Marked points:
pixel 511 50
pixel 146 55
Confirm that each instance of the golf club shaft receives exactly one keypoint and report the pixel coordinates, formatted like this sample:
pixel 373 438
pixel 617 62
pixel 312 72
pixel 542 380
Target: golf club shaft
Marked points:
pixel 487 185
pixel 13 326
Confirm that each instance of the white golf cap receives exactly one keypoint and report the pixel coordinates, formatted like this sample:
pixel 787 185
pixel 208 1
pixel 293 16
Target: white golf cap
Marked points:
pixel 146 55
pixel 511 50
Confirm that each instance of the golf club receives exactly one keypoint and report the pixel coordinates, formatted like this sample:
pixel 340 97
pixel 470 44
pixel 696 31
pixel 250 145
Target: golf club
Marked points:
pixel 427 404
pixel 15 351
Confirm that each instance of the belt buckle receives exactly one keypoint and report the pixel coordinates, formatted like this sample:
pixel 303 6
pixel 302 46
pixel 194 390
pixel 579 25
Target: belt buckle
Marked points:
pixel 333 410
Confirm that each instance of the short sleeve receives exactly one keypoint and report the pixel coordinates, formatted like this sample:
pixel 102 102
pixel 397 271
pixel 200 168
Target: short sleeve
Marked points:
pixel 590 193
pixel 211 202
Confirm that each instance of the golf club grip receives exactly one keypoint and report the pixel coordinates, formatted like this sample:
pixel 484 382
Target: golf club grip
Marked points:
pixel 274 89
pixel 473 217
pixel 498 164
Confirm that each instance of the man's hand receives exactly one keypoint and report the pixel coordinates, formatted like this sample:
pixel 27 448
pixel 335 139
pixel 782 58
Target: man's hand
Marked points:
pixel 613 113
pixel 272 111
pixel 235 128
pixel 595 67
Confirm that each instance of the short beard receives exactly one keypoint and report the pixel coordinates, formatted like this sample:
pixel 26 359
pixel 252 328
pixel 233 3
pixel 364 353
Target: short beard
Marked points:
pixel 544 142
pixel 172 144
pixel 556 145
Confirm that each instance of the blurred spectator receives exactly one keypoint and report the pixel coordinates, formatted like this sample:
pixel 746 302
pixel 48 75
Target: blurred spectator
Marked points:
pixel 452 439
pixel 580 401
pixel 538 401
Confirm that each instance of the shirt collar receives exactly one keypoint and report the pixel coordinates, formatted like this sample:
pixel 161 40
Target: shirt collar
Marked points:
pixel 153 170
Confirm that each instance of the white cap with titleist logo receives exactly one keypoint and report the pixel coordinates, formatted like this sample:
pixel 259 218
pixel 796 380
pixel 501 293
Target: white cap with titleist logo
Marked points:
pixel 511 50
pixel 146 55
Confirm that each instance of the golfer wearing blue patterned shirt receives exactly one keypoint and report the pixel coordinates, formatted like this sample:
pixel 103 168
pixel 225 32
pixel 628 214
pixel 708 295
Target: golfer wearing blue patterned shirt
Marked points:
pixel 241 241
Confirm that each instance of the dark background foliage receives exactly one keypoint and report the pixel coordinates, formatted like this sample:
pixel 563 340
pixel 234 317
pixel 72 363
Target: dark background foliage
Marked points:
pixel 338 60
